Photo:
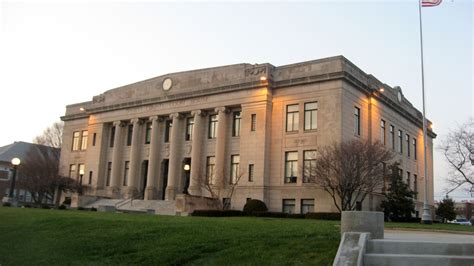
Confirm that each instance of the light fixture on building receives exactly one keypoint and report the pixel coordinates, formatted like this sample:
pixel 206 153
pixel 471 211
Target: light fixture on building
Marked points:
pixel 82 109
pixel 431 126
pixel 263 78
pixel 381 89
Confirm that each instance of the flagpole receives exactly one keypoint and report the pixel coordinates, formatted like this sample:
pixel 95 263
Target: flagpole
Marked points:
pixel 426 218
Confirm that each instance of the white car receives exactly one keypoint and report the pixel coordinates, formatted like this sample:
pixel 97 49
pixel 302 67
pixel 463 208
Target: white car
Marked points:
pixel 460 221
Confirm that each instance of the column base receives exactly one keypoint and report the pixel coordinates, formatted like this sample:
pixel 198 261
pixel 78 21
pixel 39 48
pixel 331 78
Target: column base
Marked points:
pixel 170 193
pixel 151 193
pixel 114 192
pixel 194 191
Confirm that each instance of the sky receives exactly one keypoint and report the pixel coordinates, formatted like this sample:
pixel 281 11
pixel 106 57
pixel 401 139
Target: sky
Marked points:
pixel 63 52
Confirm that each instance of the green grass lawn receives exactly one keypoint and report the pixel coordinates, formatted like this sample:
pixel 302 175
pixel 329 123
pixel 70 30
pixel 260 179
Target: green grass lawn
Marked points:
pixel 54 237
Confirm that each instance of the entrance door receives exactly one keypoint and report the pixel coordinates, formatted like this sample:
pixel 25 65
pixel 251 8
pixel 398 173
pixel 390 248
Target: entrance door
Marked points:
pixel 145 176
pixel 164 178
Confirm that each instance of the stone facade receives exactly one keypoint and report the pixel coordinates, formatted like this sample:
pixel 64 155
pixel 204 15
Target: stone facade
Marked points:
pixel 139 137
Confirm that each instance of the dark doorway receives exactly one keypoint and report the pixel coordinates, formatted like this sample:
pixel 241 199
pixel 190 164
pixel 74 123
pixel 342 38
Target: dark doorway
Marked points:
pixel 145 176
pixel 164 178
pixel 186 174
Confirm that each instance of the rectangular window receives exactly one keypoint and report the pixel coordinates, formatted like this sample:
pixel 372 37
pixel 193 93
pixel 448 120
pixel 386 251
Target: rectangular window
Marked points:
pixel 307 205
pixel 129 135
pixel 311 116
pixel 291 166
pixel 189 128
pixel 357 121
pixel 112 137
pixel 415 185
pixel 148 133
pixel 212 126
pixel 4 174
pixel 400 141
pixel 125 173
pixel 288 206
pixel 90 178
pixel 414 148
pixel 234 168
pixel 73 171
pixel 211 170
pixel 251 171
pixel 84 138
pixel 309 165
pixel 407 139
pixel 237 116
pixel 382 132
pixel 292 118
pixel 253 122
pixel 76 137
pixel 94 138
pixel 392 136
pixel 409 179
pixel 109 173
pixel 168 126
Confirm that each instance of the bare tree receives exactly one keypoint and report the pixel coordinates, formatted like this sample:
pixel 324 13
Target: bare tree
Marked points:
pixel 52 136
pixel 458 149
pixel 226 193
pixel 349 171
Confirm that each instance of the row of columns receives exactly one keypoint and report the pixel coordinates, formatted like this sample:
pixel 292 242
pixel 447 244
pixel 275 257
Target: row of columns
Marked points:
pixel 153 186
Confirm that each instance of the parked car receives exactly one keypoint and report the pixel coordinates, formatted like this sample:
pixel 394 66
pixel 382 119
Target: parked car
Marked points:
pixel 461 221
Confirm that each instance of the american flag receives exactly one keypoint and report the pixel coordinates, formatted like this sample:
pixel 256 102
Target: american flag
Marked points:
pixel 430 3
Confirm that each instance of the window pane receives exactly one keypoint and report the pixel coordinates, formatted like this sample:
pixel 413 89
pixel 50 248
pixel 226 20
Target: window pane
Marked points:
pixel 293 108
pixel 85 135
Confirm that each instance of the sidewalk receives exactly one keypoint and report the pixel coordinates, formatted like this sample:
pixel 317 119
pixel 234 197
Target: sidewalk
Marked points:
pixel 424 236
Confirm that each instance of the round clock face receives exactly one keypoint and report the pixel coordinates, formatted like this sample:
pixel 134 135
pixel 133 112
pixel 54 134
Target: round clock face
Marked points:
pixel 399 96
pixel 167 84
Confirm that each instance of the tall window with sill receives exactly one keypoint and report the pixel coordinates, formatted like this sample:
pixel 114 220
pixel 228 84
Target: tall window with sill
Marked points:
pixel 234 168
pixel 76 138
pixel 94 138
pixel 109 173
pixel 414 148
pixel 212 134
pixel 253 122
pixel 129 135
pixel 251 172
pixel 392 136
pixel 189 128
pixel 84 137
pixel 112 137
pixel 148 133
pixel 291 166
pixel 309 165
pixel 407 139
pixel 211 170
pixel 307 205
pixel 73 171
pixel 288 206
pixel 311 116
pixel 382 132
pixel 237 116
pixel 292 118
pixel 400 141
pixel 90 178
pixel 168 126
pixel 125 173
pixel 357 121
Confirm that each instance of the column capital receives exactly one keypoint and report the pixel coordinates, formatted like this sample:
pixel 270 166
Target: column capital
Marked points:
pixel 198 113
pixel 222 110
pixel 153 118
pixel 119 123
pixel 176 116
pixel 136 121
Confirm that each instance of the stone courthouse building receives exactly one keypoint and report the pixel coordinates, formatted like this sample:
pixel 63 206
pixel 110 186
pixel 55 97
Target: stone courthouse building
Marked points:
pixel 255 125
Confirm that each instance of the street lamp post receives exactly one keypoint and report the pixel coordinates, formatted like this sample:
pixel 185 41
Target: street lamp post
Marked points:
pixel 81 174
pixel 11 199
pixel 186 183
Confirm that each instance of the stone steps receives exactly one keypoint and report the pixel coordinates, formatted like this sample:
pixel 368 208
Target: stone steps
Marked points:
pixel 161 207
pixel 399 252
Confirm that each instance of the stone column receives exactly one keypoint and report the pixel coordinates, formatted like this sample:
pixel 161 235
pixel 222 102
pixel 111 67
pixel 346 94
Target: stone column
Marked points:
pixel 152 180
pixel 134 159
pixel 174 162
pixel 221 145
pixel 116 160
pixel 196 148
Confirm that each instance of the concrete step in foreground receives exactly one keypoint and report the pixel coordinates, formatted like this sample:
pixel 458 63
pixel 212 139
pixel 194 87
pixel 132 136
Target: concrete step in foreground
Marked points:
pixel 373 259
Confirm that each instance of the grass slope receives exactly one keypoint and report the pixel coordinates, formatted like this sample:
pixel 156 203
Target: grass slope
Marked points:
pixel 52 237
